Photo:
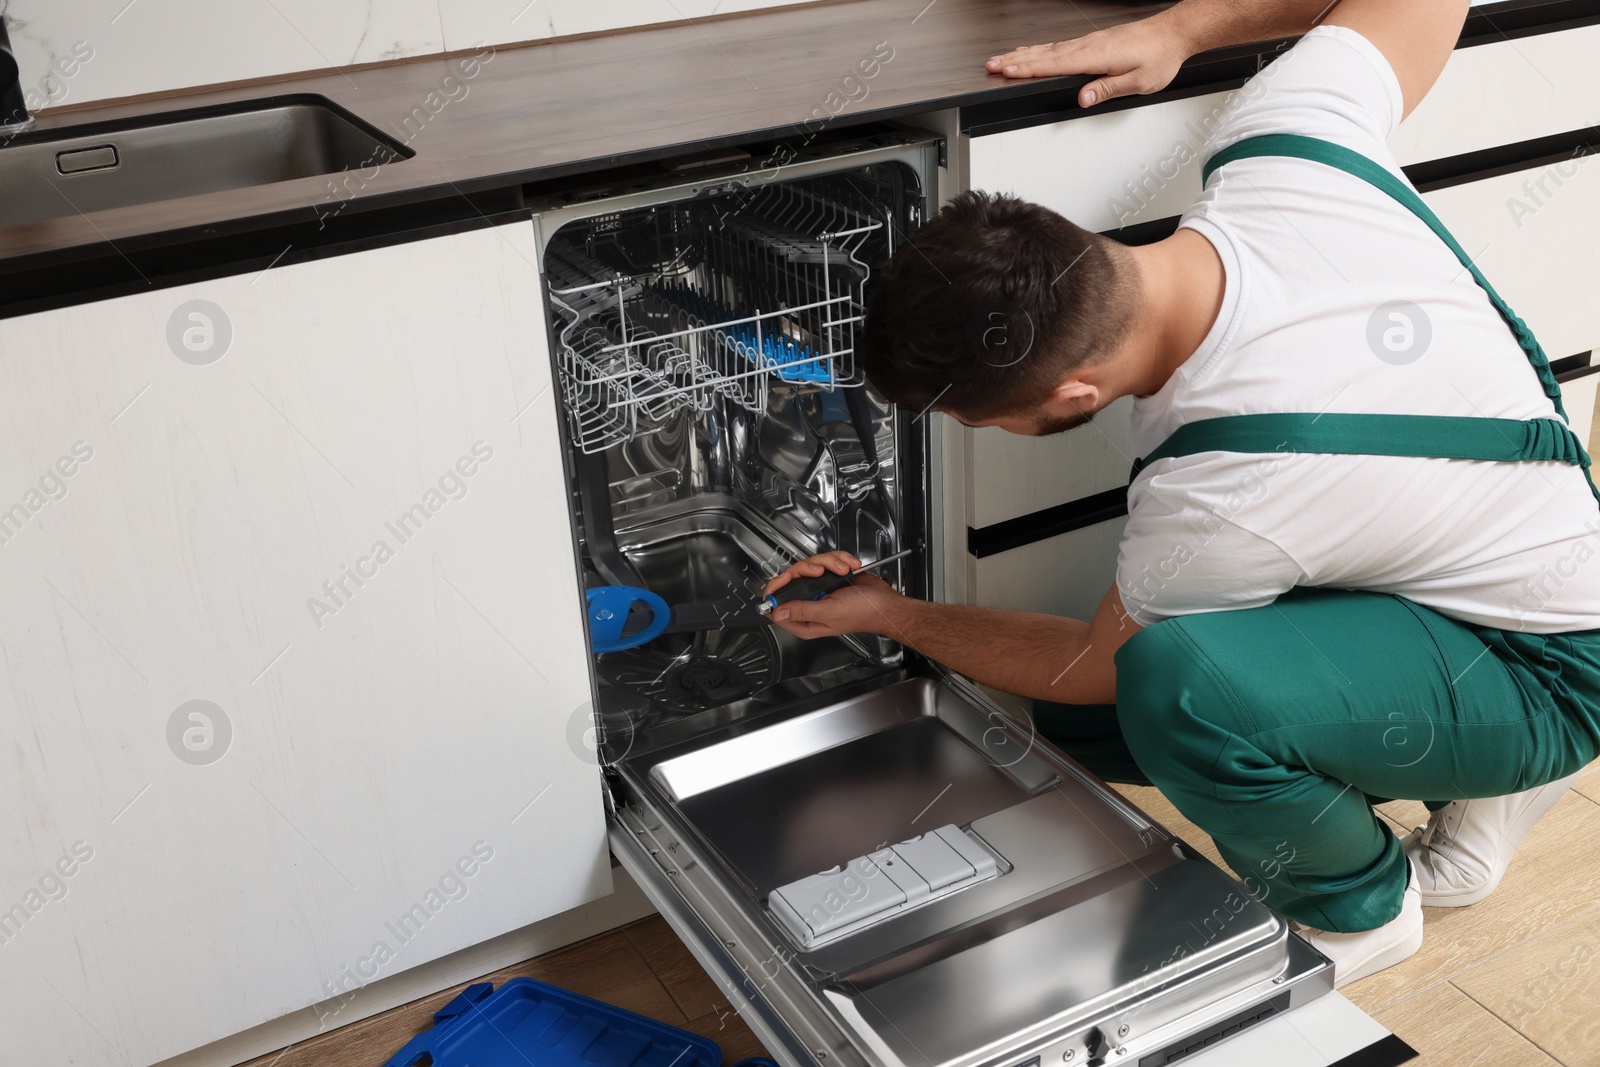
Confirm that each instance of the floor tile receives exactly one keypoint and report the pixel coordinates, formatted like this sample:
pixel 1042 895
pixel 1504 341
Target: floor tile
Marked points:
pixel 1551 879
pixel 693 990
pixel 1449 1029
pixel 1588 782
pixel 1548 989
pixel 607 968
pixel 730 1032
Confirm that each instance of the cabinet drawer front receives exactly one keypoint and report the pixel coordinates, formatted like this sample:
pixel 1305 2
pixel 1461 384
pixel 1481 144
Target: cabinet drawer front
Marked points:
pixel 1578 396
pixel 1064 575
pixel 1013 475
pixel 1103 172
pixel 1108 170
pixel 1504 92
pixel 1532 233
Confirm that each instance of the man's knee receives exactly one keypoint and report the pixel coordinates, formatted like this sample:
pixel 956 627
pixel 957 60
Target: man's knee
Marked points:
pixel 1171 700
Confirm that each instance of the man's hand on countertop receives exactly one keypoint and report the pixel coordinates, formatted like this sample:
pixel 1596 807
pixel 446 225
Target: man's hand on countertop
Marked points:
pixel 1137 57
pixel 1144 56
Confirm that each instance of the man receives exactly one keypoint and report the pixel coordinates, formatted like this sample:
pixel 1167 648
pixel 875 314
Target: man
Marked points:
pixel 1321 599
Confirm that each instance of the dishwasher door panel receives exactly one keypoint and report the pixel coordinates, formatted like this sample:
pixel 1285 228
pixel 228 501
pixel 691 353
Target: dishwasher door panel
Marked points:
pixel 1100 930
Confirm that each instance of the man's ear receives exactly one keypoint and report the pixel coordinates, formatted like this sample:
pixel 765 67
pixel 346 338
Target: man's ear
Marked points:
pixel 1073 397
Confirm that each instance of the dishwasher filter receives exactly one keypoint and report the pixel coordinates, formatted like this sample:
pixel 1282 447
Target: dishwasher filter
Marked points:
pixel 880 868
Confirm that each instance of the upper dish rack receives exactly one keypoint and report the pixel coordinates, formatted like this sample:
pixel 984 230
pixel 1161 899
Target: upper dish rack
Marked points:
pixel 705 300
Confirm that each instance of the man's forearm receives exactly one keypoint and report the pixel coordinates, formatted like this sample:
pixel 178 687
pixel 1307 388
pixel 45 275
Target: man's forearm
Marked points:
pixel 1040 656
pixel 1208 24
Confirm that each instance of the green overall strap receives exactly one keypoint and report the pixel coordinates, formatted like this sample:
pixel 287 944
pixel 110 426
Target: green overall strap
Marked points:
pixel 1319 151
pixel 1339 433
pixel 1432 436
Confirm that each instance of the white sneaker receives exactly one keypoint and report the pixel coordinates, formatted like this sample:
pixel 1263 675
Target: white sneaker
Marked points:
pixel 1357 955
pixel 1462 853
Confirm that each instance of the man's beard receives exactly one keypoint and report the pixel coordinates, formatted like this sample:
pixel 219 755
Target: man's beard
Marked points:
pixel 1046 425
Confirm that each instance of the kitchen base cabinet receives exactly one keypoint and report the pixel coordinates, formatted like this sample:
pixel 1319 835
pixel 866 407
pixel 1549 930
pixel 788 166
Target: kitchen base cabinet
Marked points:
pixel 1532 233
pixel 295 676
pixel 1578 397
pixel 1011 475
pixel 1505 91
pixel 1063 575
pixel 1104 170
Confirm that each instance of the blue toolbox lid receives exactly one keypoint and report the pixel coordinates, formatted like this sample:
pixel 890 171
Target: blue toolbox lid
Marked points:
pixel 527 1022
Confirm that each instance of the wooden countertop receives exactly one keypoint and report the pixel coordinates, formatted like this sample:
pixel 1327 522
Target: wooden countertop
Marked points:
pixel 552 108
pixel 565 107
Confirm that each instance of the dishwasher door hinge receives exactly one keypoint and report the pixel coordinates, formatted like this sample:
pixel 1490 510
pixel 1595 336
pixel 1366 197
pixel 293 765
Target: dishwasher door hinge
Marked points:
pixel 606 794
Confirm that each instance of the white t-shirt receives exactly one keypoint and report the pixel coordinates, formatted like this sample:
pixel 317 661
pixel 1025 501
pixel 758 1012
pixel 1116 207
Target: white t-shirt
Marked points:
pixel 1311 256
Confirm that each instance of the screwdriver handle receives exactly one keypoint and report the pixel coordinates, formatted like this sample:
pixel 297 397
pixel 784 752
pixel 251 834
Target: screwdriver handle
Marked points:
pixel 805 589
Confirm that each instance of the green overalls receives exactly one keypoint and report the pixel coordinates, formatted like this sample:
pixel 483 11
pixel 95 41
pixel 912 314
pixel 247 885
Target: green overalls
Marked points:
pixel 1273 729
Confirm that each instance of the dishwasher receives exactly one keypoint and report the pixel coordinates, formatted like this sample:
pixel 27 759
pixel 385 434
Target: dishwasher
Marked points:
pixel 878 865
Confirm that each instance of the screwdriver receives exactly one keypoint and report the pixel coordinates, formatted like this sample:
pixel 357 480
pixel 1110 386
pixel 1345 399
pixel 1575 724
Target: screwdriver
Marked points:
pixel 819 587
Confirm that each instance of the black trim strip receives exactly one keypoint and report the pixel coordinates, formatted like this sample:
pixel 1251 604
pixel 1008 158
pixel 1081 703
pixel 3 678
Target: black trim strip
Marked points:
pixel 1509 21
pixel 1503 159
pixel 1144 233
pixel 1051 522
pixel 1388 1052
pixel 1573 367
pixel 1228 68
pixel 1217 1032
pixel 1209 72
pixel 107 271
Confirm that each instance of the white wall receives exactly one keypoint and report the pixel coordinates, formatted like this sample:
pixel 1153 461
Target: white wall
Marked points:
pixel 147 46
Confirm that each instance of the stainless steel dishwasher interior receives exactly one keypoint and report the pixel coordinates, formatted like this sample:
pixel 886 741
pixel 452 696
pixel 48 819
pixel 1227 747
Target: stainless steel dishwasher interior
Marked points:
pixel 80 169
pixel 811 793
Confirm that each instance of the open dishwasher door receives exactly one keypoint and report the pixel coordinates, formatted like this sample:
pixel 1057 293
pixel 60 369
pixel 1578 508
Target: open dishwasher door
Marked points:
pixel 879 866
pixel 1093 936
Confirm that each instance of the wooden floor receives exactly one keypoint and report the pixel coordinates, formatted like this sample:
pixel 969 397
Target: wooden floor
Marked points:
pixel 1511 982
pixel 642 967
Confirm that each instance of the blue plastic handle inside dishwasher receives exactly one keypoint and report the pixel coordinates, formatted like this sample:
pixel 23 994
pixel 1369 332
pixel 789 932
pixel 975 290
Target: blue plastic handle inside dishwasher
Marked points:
pixel 609 607
pixel 790 360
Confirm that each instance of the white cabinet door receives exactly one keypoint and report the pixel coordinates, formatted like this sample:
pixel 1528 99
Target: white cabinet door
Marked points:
pixel 1504 92
pixel 292 645
pixel 1533 234
pixel 1102 171
pixel 1062 575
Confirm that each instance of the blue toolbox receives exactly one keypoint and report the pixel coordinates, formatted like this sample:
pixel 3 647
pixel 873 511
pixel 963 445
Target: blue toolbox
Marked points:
pixel 525 1023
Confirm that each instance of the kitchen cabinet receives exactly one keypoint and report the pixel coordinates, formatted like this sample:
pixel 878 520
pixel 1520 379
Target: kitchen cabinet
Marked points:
pixel 1104 171
pixel 1529 228
pixel 295 678
pixel 1503 92
pixel 1062 575
pixel 1531 232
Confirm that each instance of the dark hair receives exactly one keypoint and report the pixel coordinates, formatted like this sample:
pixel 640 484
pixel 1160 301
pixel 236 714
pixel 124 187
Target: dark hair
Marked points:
pixel 990 305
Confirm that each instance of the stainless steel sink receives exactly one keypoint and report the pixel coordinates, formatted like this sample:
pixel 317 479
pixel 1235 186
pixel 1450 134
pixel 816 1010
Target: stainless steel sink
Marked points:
pixel 93 167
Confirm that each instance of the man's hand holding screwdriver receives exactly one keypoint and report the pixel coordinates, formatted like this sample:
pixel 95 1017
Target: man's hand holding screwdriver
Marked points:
pixel 868 605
